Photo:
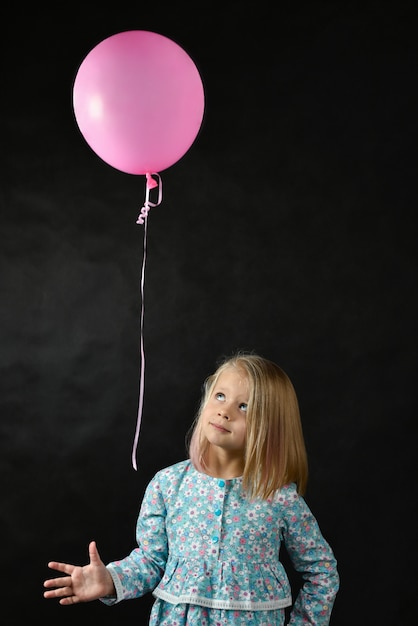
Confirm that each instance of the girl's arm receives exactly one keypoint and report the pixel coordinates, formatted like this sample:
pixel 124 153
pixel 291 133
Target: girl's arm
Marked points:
pixel 142 570
pixel 311 556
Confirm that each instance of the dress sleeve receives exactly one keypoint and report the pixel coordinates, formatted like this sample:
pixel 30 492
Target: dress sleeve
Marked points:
pixel 313 558
pixel 142 570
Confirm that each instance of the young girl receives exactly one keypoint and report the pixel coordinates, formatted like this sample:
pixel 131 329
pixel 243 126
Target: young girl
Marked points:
pixel 210 528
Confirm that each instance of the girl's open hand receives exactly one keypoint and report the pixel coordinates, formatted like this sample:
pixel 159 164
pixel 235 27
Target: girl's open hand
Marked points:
pixel 80 584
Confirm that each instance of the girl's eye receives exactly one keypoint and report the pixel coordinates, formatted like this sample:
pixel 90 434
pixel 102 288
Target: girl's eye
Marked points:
pixel 243 406
pixel 220 396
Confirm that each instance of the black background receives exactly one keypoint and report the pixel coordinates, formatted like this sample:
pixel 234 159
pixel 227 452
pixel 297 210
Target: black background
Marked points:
pixel 288 228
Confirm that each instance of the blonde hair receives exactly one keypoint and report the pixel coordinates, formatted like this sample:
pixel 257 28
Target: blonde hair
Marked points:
pixel 275 452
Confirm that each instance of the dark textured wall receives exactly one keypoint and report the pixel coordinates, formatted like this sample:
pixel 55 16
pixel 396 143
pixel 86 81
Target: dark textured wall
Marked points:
pixel 288 228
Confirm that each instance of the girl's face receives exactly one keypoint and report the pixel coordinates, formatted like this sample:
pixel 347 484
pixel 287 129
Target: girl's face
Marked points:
pixel 223 418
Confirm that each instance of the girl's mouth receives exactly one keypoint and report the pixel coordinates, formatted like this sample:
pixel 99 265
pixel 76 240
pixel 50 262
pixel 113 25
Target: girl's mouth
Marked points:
pixel 219 427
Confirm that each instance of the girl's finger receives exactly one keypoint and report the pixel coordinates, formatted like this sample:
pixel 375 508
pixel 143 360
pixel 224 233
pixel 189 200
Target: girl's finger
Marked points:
pixel 61 567
pixel 62 581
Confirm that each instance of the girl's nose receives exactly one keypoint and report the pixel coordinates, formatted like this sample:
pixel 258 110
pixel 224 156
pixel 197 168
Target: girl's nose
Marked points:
pixel 224 413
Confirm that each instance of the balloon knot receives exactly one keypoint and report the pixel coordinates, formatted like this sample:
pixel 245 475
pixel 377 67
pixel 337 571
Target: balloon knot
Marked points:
pixel 151 182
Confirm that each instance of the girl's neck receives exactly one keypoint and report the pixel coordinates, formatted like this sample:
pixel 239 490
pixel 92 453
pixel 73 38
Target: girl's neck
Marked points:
pixel 224 466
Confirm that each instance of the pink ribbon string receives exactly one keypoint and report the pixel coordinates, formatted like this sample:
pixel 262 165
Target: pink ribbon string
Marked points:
pixel 151 183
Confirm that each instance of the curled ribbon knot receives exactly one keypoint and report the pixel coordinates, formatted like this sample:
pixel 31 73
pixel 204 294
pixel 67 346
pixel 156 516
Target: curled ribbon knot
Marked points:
pixel 151 183
pixel 143 214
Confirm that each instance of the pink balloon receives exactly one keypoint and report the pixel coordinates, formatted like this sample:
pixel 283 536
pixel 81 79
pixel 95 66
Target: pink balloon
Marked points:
pixel 138 100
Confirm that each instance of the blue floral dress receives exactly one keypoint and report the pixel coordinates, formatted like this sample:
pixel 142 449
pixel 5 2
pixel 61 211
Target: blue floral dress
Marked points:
pixel 210 555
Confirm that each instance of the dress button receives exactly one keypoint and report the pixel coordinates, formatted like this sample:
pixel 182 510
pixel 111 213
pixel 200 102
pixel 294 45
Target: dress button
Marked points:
pixel 221 483
pixel 218 512
pixel 215 539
